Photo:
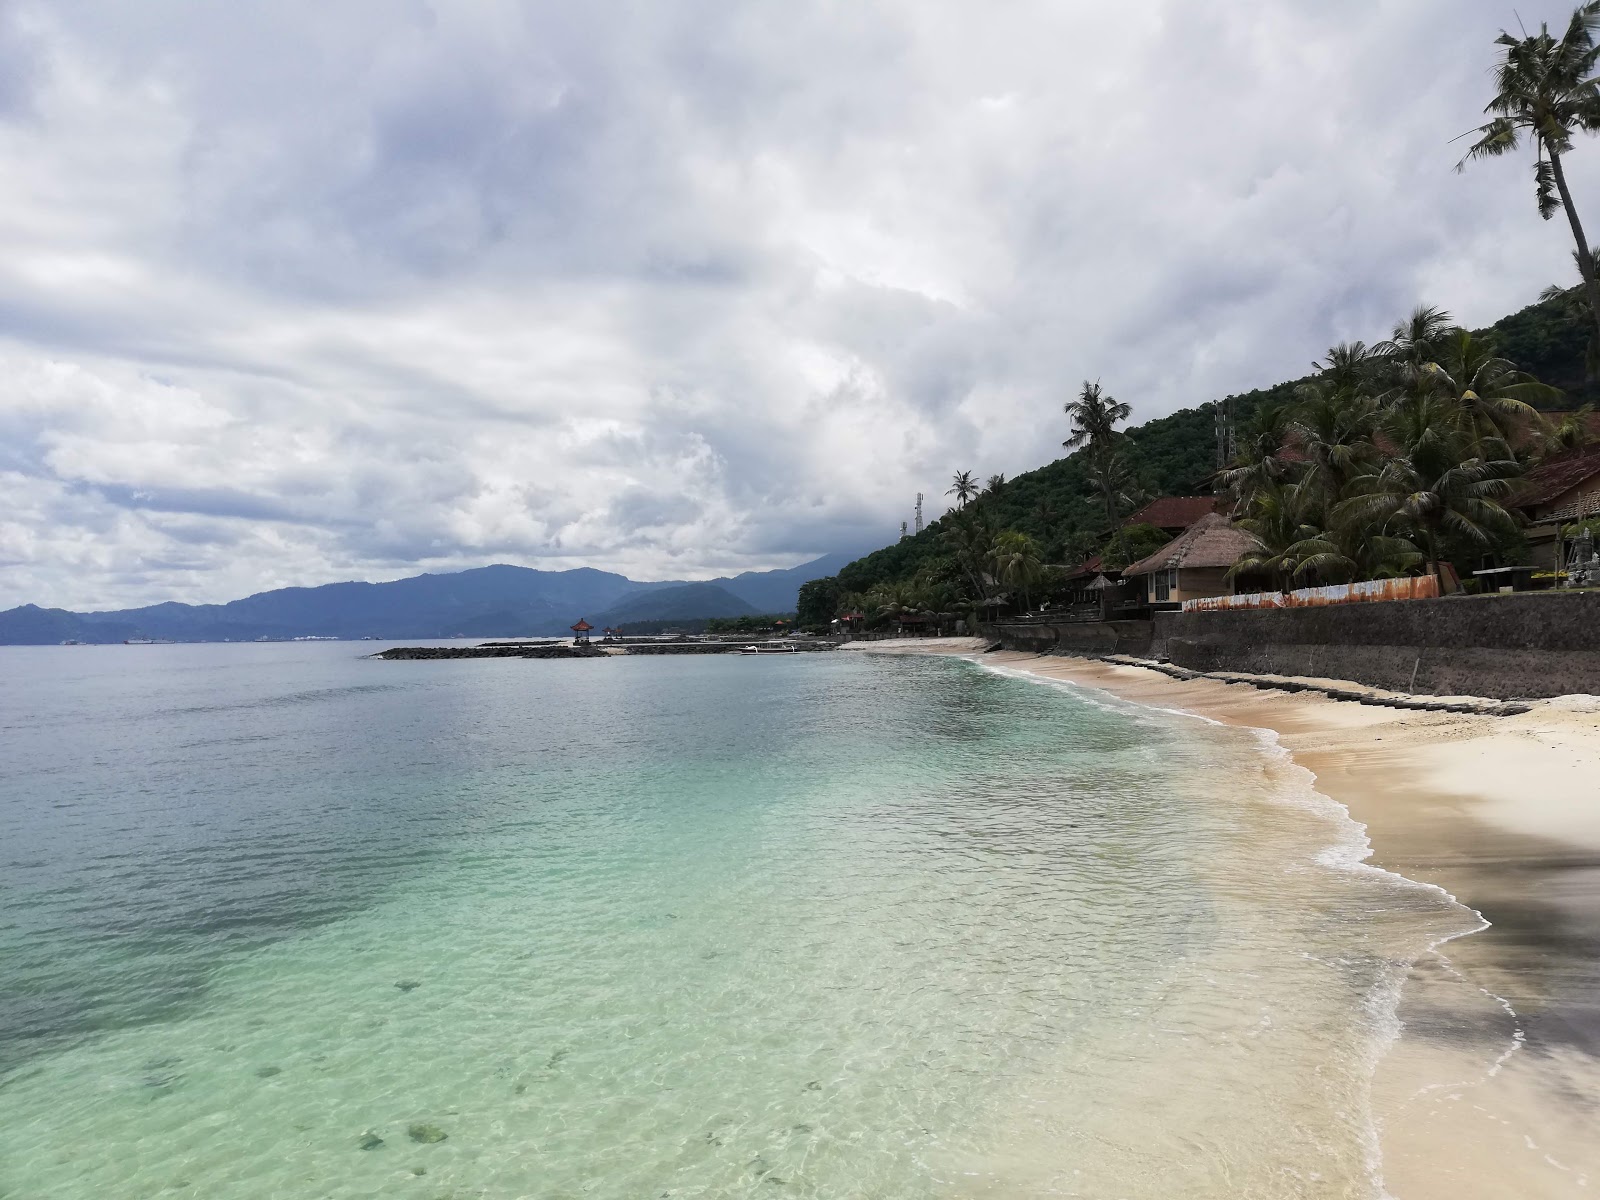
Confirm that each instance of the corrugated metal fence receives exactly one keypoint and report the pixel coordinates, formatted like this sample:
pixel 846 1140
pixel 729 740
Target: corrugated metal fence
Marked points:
pixel 1424 587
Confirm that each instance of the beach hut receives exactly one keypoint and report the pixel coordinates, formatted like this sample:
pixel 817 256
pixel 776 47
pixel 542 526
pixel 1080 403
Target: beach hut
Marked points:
pixel 1194 564
pixel 580 632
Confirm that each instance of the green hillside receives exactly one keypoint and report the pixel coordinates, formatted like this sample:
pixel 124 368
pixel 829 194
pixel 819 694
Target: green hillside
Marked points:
pixel 1175 455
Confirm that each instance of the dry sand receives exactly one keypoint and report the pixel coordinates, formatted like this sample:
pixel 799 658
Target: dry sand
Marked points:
pixel 1493 1089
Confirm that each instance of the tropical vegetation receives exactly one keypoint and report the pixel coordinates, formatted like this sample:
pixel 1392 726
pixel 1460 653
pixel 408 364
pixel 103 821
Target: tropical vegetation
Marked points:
pixel 1392 459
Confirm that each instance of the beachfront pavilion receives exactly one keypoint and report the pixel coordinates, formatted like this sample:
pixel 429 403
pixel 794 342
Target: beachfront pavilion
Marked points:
pixel 1194 564
pixel 580 632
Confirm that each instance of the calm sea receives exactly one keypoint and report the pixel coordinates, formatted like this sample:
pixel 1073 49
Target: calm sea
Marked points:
pixel 277 921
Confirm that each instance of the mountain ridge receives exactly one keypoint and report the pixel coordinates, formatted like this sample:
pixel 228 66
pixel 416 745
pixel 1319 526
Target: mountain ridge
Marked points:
pixel 496 600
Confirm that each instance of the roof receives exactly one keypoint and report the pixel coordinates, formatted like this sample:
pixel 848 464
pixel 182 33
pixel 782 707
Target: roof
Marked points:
pixel 1088 567
pixel 1174 512
pixel 1212 541
pixel 1556 475
pixel 582 626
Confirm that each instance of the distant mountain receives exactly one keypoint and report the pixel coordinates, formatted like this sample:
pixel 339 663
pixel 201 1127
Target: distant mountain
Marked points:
pixel 777 591
pixel 688 601
pixel 497 601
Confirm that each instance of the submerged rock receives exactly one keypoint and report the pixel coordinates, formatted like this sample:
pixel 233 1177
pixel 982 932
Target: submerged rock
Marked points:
pixel 426 1134
pixel 268 1072
pixel 407 985
pixel 419 1170
pixel 369 1141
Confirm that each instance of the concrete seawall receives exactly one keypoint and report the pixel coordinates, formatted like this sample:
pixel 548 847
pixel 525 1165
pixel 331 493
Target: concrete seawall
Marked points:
pixel 1526 645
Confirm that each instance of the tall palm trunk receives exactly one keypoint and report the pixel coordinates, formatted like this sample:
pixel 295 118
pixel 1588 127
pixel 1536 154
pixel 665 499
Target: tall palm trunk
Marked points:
pixel 1586 265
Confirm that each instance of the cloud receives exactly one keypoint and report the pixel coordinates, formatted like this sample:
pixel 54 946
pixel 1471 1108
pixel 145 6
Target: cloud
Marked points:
pixel 299 292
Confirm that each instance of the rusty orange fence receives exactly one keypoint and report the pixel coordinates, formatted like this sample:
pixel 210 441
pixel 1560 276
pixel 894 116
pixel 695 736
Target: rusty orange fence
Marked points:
pixel 1424 587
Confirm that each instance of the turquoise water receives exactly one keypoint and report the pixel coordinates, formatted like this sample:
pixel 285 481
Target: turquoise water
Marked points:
pixel 830 925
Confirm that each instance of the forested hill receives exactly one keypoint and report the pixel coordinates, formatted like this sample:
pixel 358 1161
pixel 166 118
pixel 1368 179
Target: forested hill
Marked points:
pixel 1175 455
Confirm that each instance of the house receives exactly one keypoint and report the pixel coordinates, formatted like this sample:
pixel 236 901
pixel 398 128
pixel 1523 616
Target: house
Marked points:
pixel 1562 489
pixel 1195 563
pixel 1174 514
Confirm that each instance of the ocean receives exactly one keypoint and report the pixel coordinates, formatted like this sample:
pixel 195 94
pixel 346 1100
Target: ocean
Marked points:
pixel 279 921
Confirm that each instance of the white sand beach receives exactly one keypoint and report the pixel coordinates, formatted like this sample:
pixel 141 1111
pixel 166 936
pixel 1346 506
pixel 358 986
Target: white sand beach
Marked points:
pixel 1493 1087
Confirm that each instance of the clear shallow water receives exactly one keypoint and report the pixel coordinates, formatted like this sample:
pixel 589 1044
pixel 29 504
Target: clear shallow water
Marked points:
pixel 826 926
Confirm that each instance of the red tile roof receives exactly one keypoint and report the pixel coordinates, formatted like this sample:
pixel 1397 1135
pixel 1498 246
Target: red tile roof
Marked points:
pixel 1088 567
pixel 1174 512
pixel 1556 475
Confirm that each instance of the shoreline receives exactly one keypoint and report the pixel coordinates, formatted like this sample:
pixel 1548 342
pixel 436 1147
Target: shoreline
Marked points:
pixel 1493 1086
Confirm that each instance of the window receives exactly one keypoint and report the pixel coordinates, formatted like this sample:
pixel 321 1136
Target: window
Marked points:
pixel 1166 581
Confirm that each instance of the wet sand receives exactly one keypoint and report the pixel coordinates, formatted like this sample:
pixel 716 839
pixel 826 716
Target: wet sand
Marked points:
pixel 1493 1088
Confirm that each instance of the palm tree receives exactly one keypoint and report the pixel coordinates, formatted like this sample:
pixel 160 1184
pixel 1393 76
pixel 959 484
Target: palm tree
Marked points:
pixel 1546 86
pixel 970 536
pixel 1110 475
pixel 1095 416
pixel 1433 486
pixel 963 489
pixel 1046 514
pixel 1333 428
pixel 1348 366
pixel 995 485
pixel 1274 521
pixel 1491 397
pixel 1413 344
pixel 1574 430
pixel 1262 461
pixel 1347 551
pixel 1016 563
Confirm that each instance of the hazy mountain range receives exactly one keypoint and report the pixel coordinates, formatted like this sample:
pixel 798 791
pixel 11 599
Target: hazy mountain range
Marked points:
pixel 498 601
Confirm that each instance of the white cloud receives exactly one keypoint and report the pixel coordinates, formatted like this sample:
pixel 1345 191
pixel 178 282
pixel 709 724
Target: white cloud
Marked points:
pixel 304 292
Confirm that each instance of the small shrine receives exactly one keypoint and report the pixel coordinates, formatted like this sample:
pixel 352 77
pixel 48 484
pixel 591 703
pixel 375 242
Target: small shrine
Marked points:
pixel 580 632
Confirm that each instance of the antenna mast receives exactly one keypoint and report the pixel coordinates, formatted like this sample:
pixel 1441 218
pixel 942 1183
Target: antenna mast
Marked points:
pixel 1227 442
pixel 919 512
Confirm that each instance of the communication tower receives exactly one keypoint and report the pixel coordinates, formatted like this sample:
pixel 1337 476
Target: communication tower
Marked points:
pixel 1227 441
pixel 919 512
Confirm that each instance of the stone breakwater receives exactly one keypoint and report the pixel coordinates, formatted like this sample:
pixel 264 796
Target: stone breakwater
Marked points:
pixel 511 650
pixel 607 650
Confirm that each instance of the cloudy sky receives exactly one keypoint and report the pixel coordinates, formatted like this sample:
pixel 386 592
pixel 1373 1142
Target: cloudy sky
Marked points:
pixel 293 292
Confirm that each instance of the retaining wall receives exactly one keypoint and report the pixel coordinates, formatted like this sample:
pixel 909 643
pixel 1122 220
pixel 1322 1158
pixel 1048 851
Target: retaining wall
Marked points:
pixel 1076 637
pixel 1530 644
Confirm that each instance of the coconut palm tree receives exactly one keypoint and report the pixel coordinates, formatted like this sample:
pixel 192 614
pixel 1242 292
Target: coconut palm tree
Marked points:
pixel 963 489
pixel 1492 399
pixel 1433 486
pixel 995 485
pixel 1333 428
pixel 970 535
pixel 1274 521
pixel 1546 87
pixel 1095 416
pixel 1016 563
pixel 1573 430
pixel 1347 552
pixel 1414 343
pixel 1262 461
pixel 1110 475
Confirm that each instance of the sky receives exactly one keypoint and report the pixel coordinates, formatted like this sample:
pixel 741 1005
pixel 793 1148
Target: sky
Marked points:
pixel 297 292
